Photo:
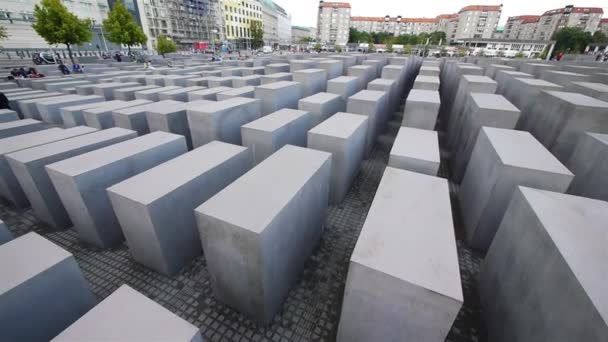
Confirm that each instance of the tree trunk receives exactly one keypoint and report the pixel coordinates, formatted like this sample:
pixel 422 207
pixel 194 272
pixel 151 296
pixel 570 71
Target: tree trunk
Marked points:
pixel 129 48
pixel 70 52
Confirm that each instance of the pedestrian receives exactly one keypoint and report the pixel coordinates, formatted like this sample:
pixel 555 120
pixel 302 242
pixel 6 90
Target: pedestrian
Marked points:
pixel 64 69
pixel 4 102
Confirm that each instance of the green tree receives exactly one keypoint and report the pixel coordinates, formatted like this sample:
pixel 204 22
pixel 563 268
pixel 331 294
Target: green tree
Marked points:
pixel 571 39
pixel 599 37
pixel 338 48
pixel 3 34
pixel 257 34
pixel 318 47
pixel 520 55
pixel 371 47
pixel 121 28
pixel 165 45
pixel 57 25
pixel 437 37
pixel 407 49
pixel 307 40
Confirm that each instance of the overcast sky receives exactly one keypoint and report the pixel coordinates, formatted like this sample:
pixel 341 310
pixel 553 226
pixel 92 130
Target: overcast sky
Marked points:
pixel 304 12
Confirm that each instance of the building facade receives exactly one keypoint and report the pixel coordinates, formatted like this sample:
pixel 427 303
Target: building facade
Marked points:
pixel 395 25
pixel 299 34
pixel 333 23
pixel 478 22
pixel 283 26
pixel 586 18
pixel 238 17
pixel 604 26
pixel 522 27
pixel 505 47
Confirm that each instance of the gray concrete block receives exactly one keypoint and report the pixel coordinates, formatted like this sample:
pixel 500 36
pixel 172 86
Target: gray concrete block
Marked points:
pixel 248 92
pixel 301 64
pixel 50 110
pixel 101 116
pixel 270 133
pixel 139 78
pixel 501 160
pixel 345 86
pixel 29 167
pixel 535 69
pixel 522 92
pixel 128 94
pixel 391 89
pixel 416 150
pixel 207 94
pixel 365 74
pixel 347 62
pixel 429 71
pixel 503 76
pixel 373 104
pixel 171 116
pixel 492 69
pixel 561 118
pixel 589 163
pixel 128 314
pixel 14 100
pixel 253 71
pixel 62 85
pixel 12 128
pixel 313 80
pixel 343 135
pixel 246 81
pixel 426 82
pixel 232 72
pixel 549 256
pixel 178 80
pixel 5 234
pixel 178 94
pixel 421 109
pixel 147 204
pixel 321 106
pixel 332 67
pixel 7 115
pixel 9 186
pixel 278 77
pixel 158 80
pixel 34 271
pixel 152 94
pixel 248 234
pixel 85 89
pixel 480 110
pixel 276 68
pixel 107 89
pixel 199 81
pixel 81 181
pixel 222 120
pixel 563 78
pixel 29 109
pixel 279 95
pixel 396 293
pixel 213 82
pixel 596 90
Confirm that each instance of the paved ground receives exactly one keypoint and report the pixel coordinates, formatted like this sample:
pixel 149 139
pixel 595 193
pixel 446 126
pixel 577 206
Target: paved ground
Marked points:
pixel 312 309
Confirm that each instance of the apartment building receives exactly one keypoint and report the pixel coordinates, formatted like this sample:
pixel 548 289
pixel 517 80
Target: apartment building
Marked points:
pixel 283 26
pixel 477 22
pixel 586 18
pixel 300 34
pixel 604 26
pixel 238 16
pixel 395 25
pixel 522 27
pixel 420 25
pixel 333 23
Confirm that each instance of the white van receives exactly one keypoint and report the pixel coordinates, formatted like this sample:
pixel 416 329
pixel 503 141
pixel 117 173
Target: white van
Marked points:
pixel 267 49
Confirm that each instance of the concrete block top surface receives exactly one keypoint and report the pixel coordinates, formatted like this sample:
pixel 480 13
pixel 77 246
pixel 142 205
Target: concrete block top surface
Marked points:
pixel 278 85
pixel 154 183
pixel 75 97
pixel 277 65
pixel 116 84
pixel 138 88
pixel 521 149
pixel 599 87
pixel 408 233
pixel 537 82
pixel 158 90
pixel 276 120
pixel 493 101
pixel 144 107
pixel 58 147
pixel 308 71
pixel 368 95
pixel 90 105
pixel 564 73
pixel 25 257
pixel 382 82
pixel 183 90
pixel 127 315
pixel 421 95
pixel 514 73
pixel 577 99
pixel 340 125
pixel 210 91
pixel 168 106
pixel 28 140
pixel 18 123
pixel 217 106
pixel 321 98
pixel 478 79
pixel 105 107
pixel 427 79
pixel 239 91
pixel 92 160
pixel 417 143
pixel 285 172
pixel 344 79
pixel 429 68
pixel 577 226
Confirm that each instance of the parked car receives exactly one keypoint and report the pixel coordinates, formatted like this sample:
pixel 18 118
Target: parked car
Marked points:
pixel 43 58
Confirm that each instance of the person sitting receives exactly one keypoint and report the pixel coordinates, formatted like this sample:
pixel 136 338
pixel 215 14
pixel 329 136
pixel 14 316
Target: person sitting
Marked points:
pixel 77 68
pixel 64 69
pixel 33 73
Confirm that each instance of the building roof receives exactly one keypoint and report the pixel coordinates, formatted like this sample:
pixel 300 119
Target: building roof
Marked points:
pixel 604 21
pixel 421 20
pixel 366 18
pixel 302 28
pixel 596 10
pixel 504 40
pixel 334 4
pixel 448 16
pixel 481 8
pixel 525 17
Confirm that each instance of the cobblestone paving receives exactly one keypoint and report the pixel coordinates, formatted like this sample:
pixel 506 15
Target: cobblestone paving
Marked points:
pixel 312 309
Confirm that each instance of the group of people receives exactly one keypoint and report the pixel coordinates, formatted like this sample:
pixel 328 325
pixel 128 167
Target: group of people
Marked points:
pixel 76 68
pixel 18 73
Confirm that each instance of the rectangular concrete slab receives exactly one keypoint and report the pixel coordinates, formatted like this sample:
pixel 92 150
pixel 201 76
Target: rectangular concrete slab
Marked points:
pixel 147 204
pixel 178 94
pixel 81 181
pixel 248 91
pixel 29 167
pixel 29 107
pixel 152 94
pixel 101 116
pixel 12 128
pixel 279 95
pixel 5 234
pixel 373 104
pixel 421 109
pixel 34 271
pixel 222 120
pixel 343 135
pixel 409 289
pixel 74 115
pixel 257 242
pixel 50 111
pixel 279 76
pixel 345 86
pixel 313 80
pixel 589 163
pixel 171 116
pixel 426 82
pixel 416 150
pixel 207 94
pixel 107 89
pixel 7 115
pixel 548 244
pixel 501 160
pixel 321 106
pixel 128 94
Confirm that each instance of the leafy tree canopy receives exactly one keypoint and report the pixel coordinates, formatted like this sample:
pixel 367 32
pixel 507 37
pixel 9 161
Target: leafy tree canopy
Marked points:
pixel 165 45
pixel 3 34
pixel 257 34
pixel 121 28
